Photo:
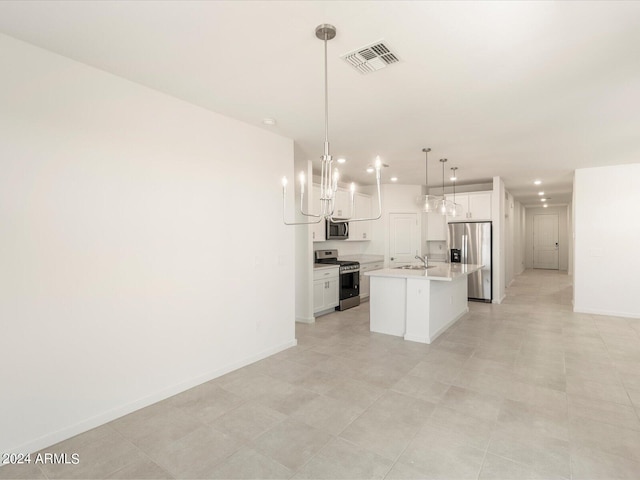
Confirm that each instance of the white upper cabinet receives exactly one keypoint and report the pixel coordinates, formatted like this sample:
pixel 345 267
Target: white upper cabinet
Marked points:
pixel 361 231
pixel 342 207
pixel 475 206
pixel 317 230
pixel 480 206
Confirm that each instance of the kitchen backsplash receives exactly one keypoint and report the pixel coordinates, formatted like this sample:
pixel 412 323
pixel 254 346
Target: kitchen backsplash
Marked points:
pixel 343 247
pixel 437 250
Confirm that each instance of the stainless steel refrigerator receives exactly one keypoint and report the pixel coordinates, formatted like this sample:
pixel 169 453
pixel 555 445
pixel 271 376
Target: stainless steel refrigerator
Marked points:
pixel 470 242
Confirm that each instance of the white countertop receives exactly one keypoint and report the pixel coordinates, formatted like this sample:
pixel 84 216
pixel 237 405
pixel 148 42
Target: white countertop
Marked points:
pixel 324 266
pixel 441 271
pixel 363 258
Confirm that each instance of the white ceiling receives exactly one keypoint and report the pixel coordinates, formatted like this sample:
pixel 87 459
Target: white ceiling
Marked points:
pixel 522 90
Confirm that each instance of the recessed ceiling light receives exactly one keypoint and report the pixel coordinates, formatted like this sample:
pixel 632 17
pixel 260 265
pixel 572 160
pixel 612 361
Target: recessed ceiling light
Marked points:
pixel 269 121
pixel 540 193
pixel 394 179
pixel 545 205
pixel 537 182
pixel 342 160
pixel 370 170
pixel 543 199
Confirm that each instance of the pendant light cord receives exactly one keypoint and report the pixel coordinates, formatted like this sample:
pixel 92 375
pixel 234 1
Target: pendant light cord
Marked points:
pixel 326 99
pixel 426 151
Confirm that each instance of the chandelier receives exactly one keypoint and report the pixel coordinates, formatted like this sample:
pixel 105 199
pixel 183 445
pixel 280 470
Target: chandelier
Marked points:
pixel 329 175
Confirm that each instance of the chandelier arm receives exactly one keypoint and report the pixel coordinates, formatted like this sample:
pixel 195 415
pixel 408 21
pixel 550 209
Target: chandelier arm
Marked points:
pixel 284 216
pixel 306 214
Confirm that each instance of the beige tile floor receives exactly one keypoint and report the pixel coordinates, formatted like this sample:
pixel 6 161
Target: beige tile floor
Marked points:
pixel 526 389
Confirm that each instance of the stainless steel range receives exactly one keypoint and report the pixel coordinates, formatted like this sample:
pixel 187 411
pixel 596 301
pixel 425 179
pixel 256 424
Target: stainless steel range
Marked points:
pixel 349 277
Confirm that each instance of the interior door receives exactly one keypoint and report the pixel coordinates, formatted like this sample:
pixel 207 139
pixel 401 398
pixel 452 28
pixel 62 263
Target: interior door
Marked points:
pixel 404 239
pixel 545 241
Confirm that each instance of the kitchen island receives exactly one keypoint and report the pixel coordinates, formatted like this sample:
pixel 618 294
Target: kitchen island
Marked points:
pixel 418 304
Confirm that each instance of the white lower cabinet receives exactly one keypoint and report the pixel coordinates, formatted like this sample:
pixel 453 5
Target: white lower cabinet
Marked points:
pixel 365 281
pixel 325 289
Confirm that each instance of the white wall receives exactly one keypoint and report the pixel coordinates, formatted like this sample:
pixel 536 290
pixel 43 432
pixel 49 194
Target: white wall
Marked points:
pixel 498 232
pixel 304 249
pixel 140 255
pixel 564 238
pixel 520 228
pixel 607 235
pixel 510 237
pixel 514 219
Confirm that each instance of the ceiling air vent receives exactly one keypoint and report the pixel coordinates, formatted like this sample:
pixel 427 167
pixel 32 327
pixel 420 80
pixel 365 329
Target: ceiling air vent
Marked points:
pixel 371 58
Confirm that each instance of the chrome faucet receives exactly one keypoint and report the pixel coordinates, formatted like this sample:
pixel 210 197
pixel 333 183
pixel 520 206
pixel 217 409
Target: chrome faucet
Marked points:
pixel 424 260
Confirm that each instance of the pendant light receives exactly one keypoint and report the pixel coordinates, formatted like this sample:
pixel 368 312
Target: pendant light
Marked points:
pixel 457 208
pixel 427 202
pixel 444 206
pixel 328 174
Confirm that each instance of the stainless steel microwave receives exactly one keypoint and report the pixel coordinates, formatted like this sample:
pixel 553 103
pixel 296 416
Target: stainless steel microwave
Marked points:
pixel 337 230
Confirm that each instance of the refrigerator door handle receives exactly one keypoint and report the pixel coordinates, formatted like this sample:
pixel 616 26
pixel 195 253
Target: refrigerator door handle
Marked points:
pixel 464 249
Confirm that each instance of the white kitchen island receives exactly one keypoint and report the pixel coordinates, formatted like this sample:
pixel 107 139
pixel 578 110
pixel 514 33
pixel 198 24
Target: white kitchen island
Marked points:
pixel 418 304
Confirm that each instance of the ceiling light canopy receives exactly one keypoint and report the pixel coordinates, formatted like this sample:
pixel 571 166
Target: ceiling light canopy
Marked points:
pixel 329 175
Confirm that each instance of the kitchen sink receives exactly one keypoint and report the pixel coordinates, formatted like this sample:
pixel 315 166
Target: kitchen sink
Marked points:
pixel 416 267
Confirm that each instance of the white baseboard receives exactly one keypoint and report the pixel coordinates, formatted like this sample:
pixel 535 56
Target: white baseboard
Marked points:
pixel 415 338
pixel 324 312
pixel 444 327
pixel 305 320
pixel 499 300
pixel 117 412
pixel 440 331
pixel 608 313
